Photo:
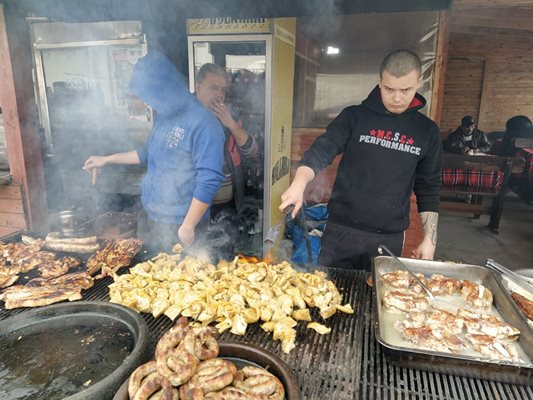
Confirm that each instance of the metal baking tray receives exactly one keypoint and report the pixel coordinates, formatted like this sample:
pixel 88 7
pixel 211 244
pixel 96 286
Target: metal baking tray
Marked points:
pixel 403 354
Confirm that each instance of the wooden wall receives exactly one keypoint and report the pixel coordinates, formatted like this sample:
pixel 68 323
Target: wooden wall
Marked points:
pixel 12 217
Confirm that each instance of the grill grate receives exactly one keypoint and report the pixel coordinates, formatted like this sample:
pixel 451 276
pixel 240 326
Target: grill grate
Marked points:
pixel 347 363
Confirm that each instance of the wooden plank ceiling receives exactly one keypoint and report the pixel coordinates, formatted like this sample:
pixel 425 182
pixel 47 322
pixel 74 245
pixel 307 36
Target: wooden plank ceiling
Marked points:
pixel 492 17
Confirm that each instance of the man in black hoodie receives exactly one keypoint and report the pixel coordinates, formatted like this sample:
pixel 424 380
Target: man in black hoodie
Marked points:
pixel 389 149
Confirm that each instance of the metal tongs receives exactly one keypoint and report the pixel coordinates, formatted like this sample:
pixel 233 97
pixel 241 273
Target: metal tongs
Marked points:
pixel 382 248
pixel 520 281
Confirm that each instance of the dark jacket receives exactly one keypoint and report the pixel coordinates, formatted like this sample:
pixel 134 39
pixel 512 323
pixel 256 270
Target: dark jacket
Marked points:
pixel 385 157
pixel 455 142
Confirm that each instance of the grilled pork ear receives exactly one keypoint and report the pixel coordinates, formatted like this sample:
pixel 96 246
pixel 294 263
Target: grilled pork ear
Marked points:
pixel 524 303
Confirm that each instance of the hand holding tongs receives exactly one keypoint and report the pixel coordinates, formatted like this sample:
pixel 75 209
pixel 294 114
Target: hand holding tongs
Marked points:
pixel 381 248
pixel 510 274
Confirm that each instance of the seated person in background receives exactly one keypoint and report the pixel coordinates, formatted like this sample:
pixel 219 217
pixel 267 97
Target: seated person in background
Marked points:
pixel 518 126
pixel 467 139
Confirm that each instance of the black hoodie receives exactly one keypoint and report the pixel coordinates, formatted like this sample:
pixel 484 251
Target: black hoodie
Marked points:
pixel 385 157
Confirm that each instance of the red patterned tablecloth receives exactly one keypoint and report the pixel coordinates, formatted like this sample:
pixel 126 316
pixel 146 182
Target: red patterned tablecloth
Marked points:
pixel 472 178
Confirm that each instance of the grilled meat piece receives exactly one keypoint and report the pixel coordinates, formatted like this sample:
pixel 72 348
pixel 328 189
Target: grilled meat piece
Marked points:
pixel 37 297
pixel 441 285
pixel 41 292
pixel 433 318
pixel 492 347
pixel 403 280
pixel 74 280
pixel 476 295
pixel 7 280
pixel 15 253
pixel 58 267
pixel 486 324
pixel 398 302
pixel 36 260
pixel 524 303
pixel 433 339
pixel 114 255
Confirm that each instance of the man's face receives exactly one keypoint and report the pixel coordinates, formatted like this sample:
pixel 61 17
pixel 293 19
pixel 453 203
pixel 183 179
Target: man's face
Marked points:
pixel 467 130
pixel 212 90
pixel 397 93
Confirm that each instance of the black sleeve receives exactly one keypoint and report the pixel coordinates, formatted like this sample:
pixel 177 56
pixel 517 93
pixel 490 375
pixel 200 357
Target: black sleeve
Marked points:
pixel 483 144
pixel 332 143
pixel 429 175
pixel 453 143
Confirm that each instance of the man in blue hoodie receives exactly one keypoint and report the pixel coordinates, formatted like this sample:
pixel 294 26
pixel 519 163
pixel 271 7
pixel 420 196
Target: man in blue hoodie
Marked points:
pixel 183 155
pixel 389 149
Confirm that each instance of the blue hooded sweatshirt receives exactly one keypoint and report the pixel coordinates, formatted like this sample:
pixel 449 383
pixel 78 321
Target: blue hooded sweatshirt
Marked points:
pixel 184 153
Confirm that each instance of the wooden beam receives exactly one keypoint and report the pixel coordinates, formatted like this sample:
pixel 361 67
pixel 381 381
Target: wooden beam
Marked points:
pixel 510 34
pixel 477 4
pixel 525 22
pixel 441 58
pixel 20 115
pixel 483 101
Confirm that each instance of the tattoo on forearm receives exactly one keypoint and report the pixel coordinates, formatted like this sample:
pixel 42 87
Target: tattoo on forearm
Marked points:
pixel 429 223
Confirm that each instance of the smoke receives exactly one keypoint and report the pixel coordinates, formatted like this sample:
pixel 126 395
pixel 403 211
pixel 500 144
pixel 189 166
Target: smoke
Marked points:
pixel 217 241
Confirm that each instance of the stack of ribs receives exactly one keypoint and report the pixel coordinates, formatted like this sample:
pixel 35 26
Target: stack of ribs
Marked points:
pixel 114 255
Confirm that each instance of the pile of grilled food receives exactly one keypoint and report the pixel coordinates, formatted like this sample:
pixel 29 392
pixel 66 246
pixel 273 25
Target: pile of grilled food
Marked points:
pixel 231 295
pixel 58 277
pixel 187 366
pixel 469 325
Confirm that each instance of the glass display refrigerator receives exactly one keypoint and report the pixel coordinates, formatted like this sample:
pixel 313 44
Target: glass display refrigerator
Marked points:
pixel 258 55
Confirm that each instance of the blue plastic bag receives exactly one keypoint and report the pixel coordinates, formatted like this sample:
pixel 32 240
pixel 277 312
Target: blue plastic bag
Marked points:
pixel 315 218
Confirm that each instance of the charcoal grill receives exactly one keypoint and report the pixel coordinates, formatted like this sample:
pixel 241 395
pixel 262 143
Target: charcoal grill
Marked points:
pixel 348 363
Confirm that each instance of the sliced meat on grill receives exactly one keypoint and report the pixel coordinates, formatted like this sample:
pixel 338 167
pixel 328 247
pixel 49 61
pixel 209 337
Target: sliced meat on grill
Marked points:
pixel 37 297
pixel 114 255
pixel 41 292
pixel 58 267
pixel 36 260
pixel 17 252
pixel 69 281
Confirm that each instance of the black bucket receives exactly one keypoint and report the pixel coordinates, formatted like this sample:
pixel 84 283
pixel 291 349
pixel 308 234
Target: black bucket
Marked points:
pixel 74 351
